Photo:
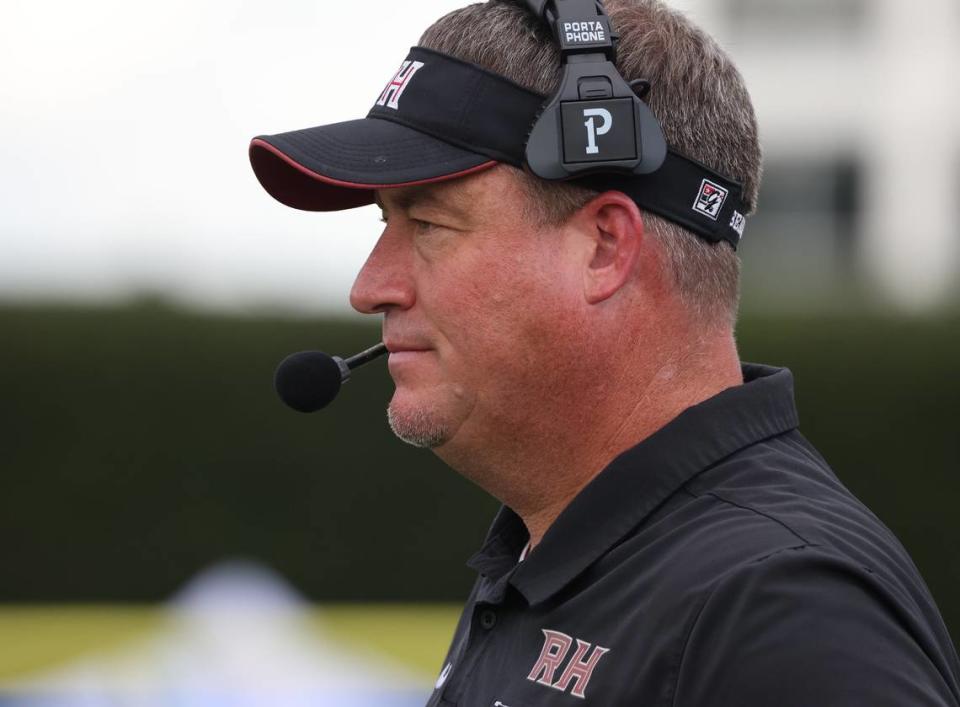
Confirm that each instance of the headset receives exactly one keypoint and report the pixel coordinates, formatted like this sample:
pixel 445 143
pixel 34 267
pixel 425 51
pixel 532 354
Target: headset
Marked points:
pixel 593 101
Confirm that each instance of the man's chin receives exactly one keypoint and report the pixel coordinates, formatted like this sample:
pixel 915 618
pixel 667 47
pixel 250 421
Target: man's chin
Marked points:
pixel 418 425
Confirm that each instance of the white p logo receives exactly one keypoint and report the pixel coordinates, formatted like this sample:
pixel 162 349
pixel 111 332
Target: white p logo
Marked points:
pixel 593 130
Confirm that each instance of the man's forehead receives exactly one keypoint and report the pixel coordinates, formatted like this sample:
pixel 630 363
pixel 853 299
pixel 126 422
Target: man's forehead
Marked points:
pixel 459 195
pixel 408 197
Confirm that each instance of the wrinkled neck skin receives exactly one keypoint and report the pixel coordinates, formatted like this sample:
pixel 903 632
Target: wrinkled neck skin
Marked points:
pixel 590 401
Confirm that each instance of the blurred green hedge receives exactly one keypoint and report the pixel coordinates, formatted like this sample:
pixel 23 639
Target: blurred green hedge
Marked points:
pixel 140 444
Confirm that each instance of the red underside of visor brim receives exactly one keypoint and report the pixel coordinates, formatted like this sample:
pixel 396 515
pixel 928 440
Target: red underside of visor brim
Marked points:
pixel 292 184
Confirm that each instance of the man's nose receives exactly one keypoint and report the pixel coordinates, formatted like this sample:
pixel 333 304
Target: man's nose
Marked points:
pixel 384 281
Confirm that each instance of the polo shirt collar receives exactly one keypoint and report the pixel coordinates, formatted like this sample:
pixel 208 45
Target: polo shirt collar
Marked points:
pixel 636 482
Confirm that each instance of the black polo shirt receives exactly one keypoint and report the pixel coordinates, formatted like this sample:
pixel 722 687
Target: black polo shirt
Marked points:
pixel 718 563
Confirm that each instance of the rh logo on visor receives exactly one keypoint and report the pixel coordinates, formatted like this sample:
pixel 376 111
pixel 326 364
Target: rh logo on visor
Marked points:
pixel 710 199
pixel 391 94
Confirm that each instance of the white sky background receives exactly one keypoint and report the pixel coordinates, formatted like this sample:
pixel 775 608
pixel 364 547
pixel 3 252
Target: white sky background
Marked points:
pixel 125 124
pixel 123 164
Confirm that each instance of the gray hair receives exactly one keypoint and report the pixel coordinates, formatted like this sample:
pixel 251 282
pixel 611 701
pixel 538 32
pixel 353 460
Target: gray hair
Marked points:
pixel 698 95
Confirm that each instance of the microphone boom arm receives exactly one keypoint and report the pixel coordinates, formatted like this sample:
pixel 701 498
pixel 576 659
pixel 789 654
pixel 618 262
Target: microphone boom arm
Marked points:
pixel 364 357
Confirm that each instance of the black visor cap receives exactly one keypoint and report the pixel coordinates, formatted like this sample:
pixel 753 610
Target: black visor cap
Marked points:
pixel 338 166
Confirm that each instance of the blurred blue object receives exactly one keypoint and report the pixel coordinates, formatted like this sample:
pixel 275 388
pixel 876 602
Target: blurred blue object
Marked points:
pixel 236 636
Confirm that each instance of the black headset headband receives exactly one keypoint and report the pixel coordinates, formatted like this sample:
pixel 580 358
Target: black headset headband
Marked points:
pixel 468 106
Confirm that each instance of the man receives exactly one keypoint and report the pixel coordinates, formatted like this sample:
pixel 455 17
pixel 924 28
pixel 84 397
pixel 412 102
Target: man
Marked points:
pixel 668 537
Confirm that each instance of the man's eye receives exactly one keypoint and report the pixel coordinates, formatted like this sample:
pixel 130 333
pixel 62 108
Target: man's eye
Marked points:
pixel 422 225
pixel 418 224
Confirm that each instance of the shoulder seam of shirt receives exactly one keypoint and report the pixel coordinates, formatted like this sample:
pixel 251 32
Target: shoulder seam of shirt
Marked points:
pixel 688 629
pixel 829 549
pixel 741 506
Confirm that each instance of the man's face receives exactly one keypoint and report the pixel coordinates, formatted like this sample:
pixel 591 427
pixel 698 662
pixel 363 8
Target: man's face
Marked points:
pixel 477 300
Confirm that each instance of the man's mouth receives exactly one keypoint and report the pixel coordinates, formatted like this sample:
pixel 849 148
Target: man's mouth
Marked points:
pixel 397 347
pixel 403 353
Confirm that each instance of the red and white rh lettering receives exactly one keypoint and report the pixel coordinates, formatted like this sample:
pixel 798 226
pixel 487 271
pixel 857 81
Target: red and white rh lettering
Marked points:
pixel 556 646
pixel 391 94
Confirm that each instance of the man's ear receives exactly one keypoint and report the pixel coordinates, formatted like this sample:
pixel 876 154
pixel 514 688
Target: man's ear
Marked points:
pixel 612 230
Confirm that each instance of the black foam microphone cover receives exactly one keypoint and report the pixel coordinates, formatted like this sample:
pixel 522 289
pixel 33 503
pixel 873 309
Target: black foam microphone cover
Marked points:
pixel 308 381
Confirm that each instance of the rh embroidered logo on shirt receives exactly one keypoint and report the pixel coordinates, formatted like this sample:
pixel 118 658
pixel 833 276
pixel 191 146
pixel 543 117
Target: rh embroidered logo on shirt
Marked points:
pixel 579 669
